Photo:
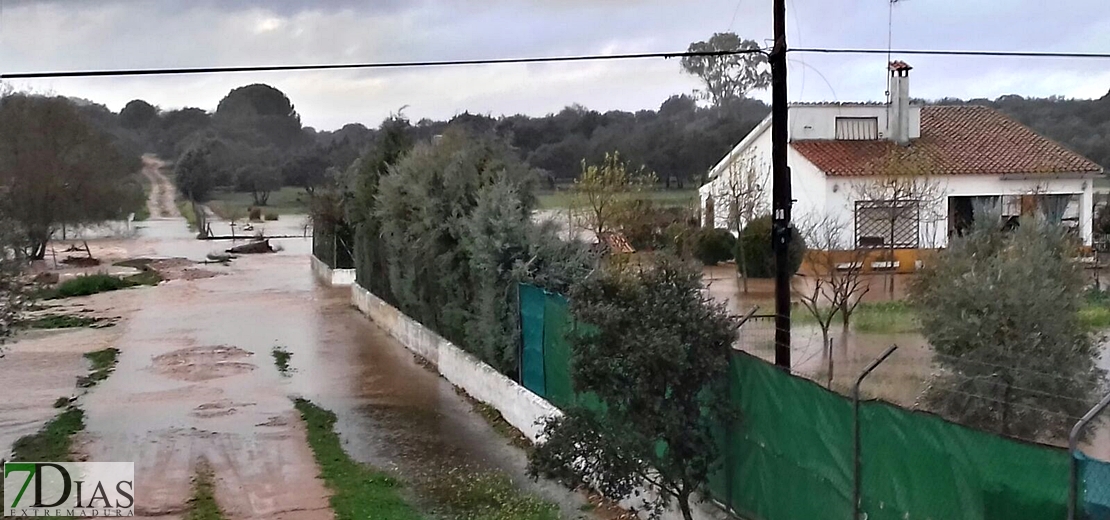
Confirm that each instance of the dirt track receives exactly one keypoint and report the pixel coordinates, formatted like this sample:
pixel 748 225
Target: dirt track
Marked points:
pixel 160 202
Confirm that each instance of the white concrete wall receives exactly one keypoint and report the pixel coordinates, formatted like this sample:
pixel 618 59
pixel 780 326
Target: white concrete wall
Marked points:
pixel 519 406
pixel 333 277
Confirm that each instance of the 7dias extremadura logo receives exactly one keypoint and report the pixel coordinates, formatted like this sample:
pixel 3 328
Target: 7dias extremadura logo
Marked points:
pixel 76 489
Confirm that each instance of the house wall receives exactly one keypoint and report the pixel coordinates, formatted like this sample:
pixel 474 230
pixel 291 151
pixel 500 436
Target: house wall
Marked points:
pixel 842 192
pixel 819 122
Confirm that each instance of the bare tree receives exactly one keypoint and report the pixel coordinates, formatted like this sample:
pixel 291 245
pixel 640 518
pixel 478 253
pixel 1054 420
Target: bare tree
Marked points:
pixel 743 190
pixel 604 193
pixel 833 282
pixel 897 202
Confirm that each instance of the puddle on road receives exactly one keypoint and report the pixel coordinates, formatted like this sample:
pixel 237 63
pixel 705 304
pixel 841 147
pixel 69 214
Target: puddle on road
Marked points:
pixel 196 381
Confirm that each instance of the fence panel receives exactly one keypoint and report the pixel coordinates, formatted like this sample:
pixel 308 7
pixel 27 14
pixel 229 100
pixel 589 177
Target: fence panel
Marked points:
pixel 532 306
pixel 1094 488
pixel 557 352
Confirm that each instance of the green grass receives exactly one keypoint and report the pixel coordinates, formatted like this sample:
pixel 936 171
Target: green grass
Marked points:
pixel 1094 317
pixel 103 363
pixel 186 210
pixel 90 284
pixel 202 505
pixel 490 496
pixel 59 321
pixel 54 441
pixel 286 201
pixel 358 491
pixel 564 198
pixel 893 317
pixel 281 359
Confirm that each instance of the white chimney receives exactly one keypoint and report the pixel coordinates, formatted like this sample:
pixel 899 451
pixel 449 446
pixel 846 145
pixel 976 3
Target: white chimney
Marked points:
pixel 898 122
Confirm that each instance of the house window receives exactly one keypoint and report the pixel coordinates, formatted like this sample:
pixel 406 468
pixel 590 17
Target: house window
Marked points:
pixel 887 224
pixel 857 128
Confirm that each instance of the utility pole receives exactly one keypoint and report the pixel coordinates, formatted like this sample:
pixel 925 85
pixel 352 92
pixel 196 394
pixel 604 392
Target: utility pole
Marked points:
pixel 781 198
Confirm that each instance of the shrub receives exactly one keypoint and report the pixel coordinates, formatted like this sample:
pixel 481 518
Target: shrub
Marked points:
pixel 754 257
pixel 271 216
pixel 254 213
pixel 713 246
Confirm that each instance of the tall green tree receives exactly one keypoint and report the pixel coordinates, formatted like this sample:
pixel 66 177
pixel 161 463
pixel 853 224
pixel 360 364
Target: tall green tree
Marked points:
pixel 654 349
pixel 394 140
pixel 57 169
pixel 12 262
pixel 731 76
pixel 1001 310
pixel 194 174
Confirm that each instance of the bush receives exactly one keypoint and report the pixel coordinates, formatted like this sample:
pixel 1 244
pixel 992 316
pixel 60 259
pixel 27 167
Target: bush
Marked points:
pixel 271 216
pixel 255 214
pixel 713 246
pixel 754 257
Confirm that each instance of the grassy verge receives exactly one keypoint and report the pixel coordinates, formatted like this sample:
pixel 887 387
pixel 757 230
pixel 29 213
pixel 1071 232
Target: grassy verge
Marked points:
pixel 103 363
pixel 894 317
pixel 496 421
pixel 286 201
pixel 97 283
pixel 467 496
pixel 54 441
pixel 358 491
pixel 202 506
pixel 281 359
pixel 187 212
pixel 59 321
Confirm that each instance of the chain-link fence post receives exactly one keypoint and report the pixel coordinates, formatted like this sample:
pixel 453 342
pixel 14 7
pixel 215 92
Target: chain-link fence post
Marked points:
pixel 857 475
pixel 1073 446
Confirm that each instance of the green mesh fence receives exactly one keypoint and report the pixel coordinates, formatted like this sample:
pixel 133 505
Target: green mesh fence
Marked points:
pixel 532 302
pixel 1094 488
pixel 793 459
pixel 556 351
pixel 791 455
pixel 545 351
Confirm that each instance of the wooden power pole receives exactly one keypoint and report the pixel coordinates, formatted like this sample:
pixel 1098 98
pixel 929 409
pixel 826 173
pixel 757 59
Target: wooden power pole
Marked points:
pixel 781 199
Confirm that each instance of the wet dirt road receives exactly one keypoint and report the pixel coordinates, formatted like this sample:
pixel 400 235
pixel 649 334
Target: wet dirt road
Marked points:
pixel 161 199
pixel 196 382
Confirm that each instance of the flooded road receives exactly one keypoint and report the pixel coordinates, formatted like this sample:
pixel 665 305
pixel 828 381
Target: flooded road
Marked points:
pixel 196 385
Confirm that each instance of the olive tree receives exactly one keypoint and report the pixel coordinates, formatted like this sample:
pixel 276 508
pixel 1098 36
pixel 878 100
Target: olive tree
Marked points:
pixel 1001 310
pixel 57 169
pixel 654 349
pixel 12 262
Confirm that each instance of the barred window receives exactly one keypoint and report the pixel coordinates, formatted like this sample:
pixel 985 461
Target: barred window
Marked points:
pixel 886 224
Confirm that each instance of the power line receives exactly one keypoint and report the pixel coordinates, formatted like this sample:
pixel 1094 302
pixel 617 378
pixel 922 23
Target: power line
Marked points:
pixel 380 65
pixel 1002 54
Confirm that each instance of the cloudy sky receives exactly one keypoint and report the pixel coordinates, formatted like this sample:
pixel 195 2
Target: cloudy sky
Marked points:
pixel 103 34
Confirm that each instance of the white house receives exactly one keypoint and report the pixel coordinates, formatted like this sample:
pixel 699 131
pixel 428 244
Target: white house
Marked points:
pixel 846 160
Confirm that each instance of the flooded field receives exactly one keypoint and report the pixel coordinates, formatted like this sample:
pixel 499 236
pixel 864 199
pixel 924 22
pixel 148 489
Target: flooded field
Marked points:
pixel 901 379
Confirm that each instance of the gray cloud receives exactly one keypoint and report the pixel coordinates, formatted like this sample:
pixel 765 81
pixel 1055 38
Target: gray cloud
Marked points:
pixel 67 35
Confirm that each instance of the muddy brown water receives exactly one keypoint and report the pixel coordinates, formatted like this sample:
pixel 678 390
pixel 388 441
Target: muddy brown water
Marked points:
pixel 901 379
pixel 196 382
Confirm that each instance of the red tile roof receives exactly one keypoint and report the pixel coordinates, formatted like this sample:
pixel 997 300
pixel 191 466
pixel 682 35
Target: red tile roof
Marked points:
pixel 955 140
